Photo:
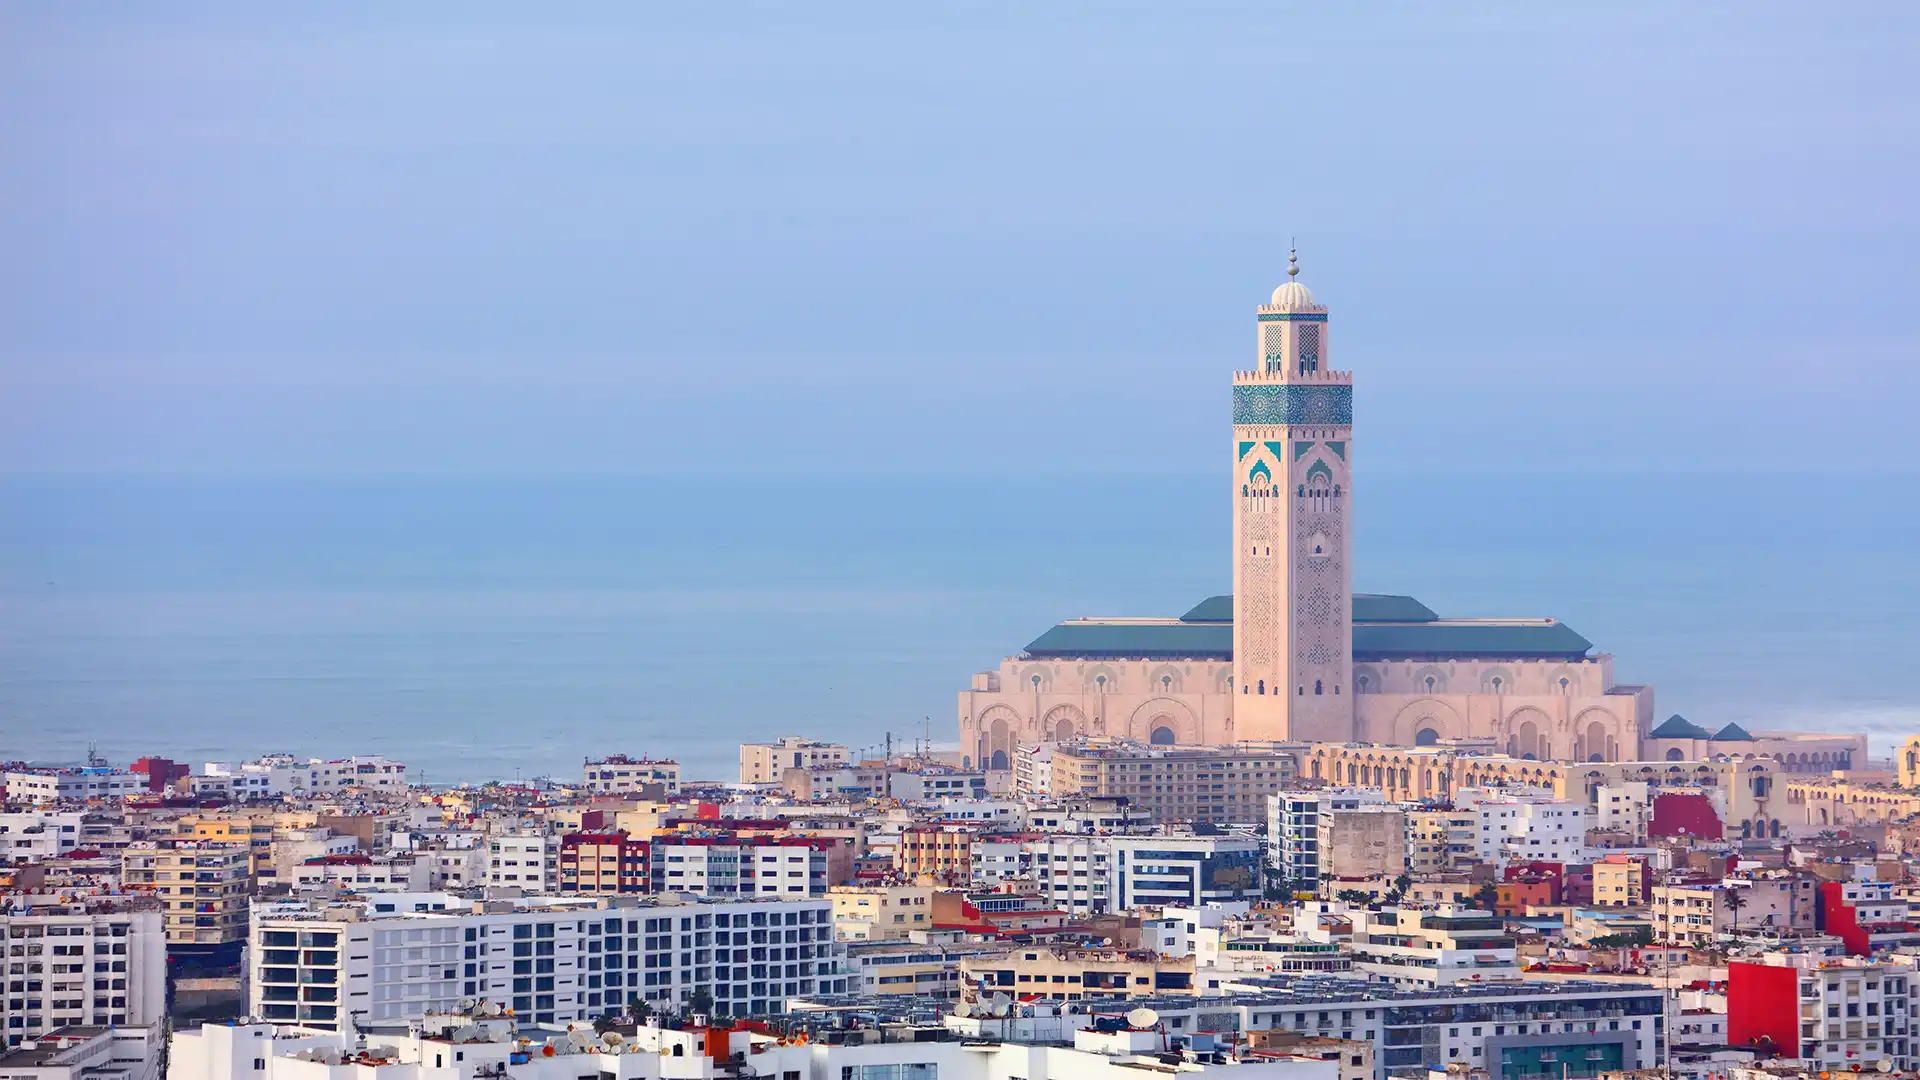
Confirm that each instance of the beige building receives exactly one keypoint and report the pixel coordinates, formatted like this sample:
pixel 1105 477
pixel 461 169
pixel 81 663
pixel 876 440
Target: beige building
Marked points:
pixel 1906 763
pixel 766 763
pixel 880 912
pixel 1355 1056
pixel 204 887
pixel 1188 783
pixel 1695 913
pixel 1439 841
pixel 620 774
pixel 1620 881
pixel 1364 842
pixel 1067 974
pixel 941 853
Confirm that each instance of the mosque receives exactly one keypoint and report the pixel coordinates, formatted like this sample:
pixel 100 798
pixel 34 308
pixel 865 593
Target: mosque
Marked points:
pixel 1294 655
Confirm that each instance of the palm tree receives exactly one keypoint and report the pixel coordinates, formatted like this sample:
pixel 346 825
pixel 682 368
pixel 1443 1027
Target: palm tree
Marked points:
pixel 1735 902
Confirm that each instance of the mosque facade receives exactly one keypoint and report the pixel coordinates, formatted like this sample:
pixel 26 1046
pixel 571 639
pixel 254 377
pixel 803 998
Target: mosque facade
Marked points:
pixel 1293 654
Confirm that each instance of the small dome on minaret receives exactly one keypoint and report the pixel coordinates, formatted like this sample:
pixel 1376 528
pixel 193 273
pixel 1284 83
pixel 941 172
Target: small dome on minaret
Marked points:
pixel 1294 296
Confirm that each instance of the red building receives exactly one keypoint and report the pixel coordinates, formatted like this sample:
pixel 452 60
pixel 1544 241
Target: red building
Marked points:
pixel 1685 815
pixel 160 772
pixel 1763 1007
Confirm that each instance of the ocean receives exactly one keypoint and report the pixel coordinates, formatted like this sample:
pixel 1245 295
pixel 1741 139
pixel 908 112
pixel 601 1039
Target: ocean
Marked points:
pixel 494 627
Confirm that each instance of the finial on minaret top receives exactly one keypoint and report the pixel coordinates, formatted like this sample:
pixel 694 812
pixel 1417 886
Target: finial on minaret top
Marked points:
pixel 1293 260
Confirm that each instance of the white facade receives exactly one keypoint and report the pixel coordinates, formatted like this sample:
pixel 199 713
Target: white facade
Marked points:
pixel 1062 1048
pixel 1528 829
pixel 727 870
pixel 92 782
pixel 67 966
pixel 31 836
pixel 1293 828
pixel 551 962
pixel 929 785
pixel 115 1053
pixel 1431 947
pixel 530 862
pixel 1624 808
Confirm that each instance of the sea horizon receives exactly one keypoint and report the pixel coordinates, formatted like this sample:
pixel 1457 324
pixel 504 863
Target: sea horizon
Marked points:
pixel 483 626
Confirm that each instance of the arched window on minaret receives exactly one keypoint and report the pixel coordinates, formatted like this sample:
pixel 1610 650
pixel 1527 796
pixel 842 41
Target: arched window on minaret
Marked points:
pixel 1309 348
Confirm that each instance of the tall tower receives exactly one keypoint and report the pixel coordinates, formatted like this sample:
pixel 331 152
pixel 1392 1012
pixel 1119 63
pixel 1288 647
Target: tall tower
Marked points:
pixel 1292 540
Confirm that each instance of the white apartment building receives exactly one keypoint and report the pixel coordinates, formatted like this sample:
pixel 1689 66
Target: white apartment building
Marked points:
pixel 1423 948
pixel 1041 1043
pixel 93 961
pixel 1293 828
pixel 931 785
pixel 766 763
pixel 31 836
pixel 1033 770
pixel 732 868
pixel 552 961
pixel 284 774
pixel 90 782
pixel 1832 1013
pixel 89 1053
pixel 1527 828
pixel 998 811
pixel 1624 808
pixel 362 873
pixel 526 861
pixel 620 774
pixel 1096 874
pixel 1090 815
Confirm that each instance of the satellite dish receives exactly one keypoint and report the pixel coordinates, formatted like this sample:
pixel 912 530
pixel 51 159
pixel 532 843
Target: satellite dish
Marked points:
pixel 465 1005
pixel 491 1008
pixel 612 1039
pixel 962 1009
pixel 1142 1018
pixel 580 1038
pixel 1884 1064
pixel 1000 1004
pixel 470 1033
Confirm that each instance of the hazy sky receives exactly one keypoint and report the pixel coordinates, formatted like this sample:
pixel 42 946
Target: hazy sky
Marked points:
pixel 838 236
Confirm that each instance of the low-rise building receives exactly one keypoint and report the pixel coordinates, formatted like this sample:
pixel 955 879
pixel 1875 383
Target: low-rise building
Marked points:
pixel 619 774
pixel 766 763
pixel 1214 784
pixel 604 863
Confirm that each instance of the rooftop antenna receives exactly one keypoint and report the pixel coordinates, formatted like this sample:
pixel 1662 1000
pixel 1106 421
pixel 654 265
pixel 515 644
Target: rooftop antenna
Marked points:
pixel 94 760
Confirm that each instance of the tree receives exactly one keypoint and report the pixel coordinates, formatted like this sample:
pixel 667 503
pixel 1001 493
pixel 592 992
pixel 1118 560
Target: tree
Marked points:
pixel 700 1001
pixel 1735 902
pixel 1487 896
pixel 1352 896
pixel 637 1008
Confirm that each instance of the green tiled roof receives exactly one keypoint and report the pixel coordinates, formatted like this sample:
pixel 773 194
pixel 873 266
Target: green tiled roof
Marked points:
pixel 1428 638
pixel 1679 727
pixel 1367 607
pixel 1732 733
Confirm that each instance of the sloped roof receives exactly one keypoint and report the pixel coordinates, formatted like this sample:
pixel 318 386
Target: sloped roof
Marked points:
pixel 1367 607
pixel 1679 727
pixel 1732 733
pixel 1385 628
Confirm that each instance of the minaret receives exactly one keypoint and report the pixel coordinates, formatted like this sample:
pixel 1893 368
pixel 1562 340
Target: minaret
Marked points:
pixel 1292 546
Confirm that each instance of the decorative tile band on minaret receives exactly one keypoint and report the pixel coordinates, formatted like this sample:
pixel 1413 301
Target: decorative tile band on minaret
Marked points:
pixel 1292 593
